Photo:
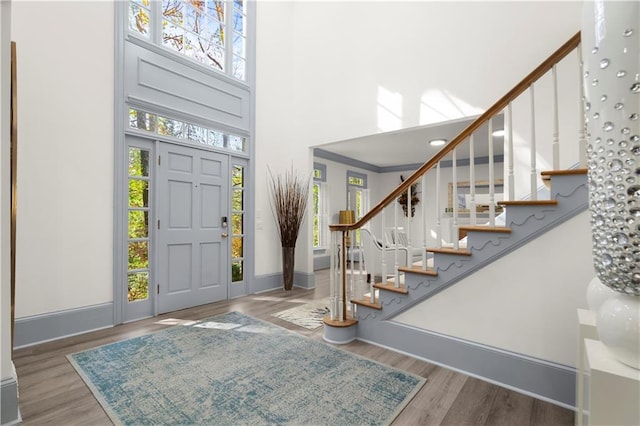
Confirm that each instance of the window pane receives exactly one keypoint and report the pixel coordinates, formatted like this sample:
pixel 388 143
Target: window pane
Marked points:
pixel 194 18
pixel 238 21
pixel 236 200
pixel 215 8
pixel 236 143
pixel 237 273
pixel 236 247
pixel 173 10
pixel 238 45
pixel 191 45
pixel 138 193
pixel 138 286
pixel 239 68
pixel 138 255
pixel 216 138
pixel 356 181
pixel 196 133
pixel 172 36
pixel 138 224
pixel 236 223
pixel 238 176
pixel 138 162
pixel 139 19
pixel 213 50
pixel 142 120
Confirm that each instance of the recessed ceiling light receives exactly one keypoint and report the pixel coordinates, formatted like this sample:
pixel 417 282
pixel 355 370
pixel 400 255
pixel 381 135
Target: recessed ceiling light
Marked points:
pixel 437 142
pixel 498 133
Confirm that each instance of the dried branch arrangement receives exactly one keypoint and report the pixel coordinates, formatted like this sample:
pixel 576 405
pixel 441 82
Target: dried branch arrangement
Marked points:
pixel 289 195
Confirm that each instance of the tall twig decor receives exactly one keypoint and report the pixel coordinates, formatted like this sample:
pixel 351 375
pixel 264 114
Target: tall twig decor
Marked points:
pixel 289 196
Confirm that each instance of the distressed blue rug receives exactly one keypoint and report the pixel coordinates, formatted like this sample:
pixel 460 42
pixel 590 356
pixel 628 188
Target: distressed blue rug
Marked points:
pixel 235 369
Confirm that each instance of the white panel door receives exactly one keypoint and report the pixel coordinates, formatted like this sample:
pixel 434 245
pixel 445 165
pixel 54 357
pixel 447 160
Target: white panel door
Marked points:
pixel 192 229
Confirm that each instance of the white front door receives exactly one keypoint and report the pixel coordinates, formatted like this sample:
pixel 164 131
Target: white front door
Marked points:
pixel 193 259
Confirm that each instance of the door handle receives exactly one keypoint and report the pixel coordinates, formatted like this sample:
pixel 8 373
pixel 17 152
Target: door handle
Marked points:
pixel 224 235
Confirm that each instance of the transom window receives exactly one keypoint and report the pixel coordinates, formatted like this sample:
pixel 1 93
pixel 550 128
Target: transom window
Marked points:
pixel 191 132
pixel 211 32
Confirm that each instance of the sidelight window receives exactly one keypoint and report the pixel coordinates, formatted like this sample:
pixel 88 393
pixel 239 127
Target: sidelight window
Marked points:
pixel 237 222
pixel 138 225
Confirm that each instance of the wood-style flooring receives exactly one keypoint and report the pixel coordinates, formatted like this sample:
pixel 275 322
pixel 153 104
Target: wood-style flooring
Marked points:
pixel 52 393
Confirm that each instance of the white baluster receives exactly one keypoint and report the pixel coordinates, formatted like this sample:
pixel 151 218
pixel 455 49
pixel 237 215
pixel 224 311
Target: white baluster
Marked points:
pixel 384 247
pixel 472 182
pixel 351 250
pixel 409 207
pixel 533 174
pixel 454 232
pixel 556 126
pixel 438 213
pixel 582 129
pixel 333 311
pixel 396 274
pixel 512 181
pixel 492 207
pixel 425 228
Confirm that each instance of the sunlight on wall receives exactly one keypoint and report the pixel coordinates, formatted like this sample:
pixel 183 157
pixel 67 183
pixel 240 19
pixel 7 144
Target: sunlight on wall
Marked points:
pixel 389 110
pixel 439 105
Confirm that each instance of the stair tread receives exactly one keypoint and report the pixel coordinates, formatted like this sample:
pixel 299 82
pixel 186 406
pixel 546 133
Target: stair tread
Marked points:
pixel 449 250
pixel 564 172
pixel 418 270
pixel 337 323
pixel 389 286
pixel 528 203
pixel 367 303
pixel 482 228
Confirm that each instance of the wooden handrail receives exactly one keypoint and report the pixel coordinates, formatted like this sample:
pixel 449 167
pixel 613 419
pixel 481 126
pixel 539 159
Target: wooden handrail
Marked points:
pixel 518 89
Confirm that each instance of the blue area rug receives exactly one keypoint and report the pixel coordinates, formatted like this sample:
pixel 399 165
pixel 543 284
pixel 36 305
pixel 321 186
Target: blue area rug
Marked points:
pixel 235 369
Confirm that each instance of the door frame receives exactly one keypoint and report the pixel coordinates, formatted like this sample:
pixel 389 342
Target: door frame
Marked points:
pixel 120 226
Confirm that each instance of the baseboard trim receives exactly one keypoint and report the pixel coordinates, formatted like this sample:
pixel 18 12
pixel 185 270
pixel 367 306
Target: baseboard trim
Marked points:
pixel 57 325
pixel 269 282
pixel 321 262
pixel 542 379
pixel 9 408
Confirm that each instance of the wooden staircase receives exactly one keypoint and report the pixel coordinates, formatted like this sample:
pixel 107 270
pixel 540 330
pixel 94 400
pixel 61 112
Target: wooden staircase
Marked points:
pixel 376 317
pixel 570 199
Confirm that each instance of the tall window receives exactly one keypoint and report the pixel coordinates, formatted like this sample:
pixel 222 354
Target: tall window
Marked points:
pixel 138 224
pixel 357 195
pixel 320 205
pixel 211 32
pixel 237 223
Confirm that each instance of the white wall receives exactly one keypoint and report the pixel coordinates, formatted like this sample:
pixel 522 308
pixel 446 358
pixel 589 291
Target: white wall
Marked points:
pixel 6 367
pixel 65 172
pixel 524 302
pixel 330 71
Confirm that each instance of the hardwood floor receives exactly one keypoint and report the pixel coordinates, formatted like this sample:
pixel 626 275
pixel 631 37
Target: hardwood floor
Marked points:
pixel 52 393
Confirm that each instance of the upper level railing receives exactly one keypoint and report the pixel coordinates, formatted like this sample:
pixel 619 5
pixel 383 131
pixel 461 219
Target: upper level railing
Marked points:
pixel 342 291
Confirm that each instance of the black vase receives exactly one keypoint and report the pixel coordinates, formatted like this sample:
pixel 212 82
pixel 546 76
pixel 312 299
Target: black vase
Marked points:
pixel 288 258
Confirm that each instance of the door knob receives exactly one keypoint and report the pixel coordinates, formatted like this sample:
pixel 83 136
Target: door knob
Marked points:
pixel 224 235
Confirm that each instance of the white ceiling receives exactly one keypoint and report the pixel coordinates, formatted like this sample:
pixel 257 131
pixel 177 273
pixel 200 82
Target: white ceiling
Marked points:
pixel 411 146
